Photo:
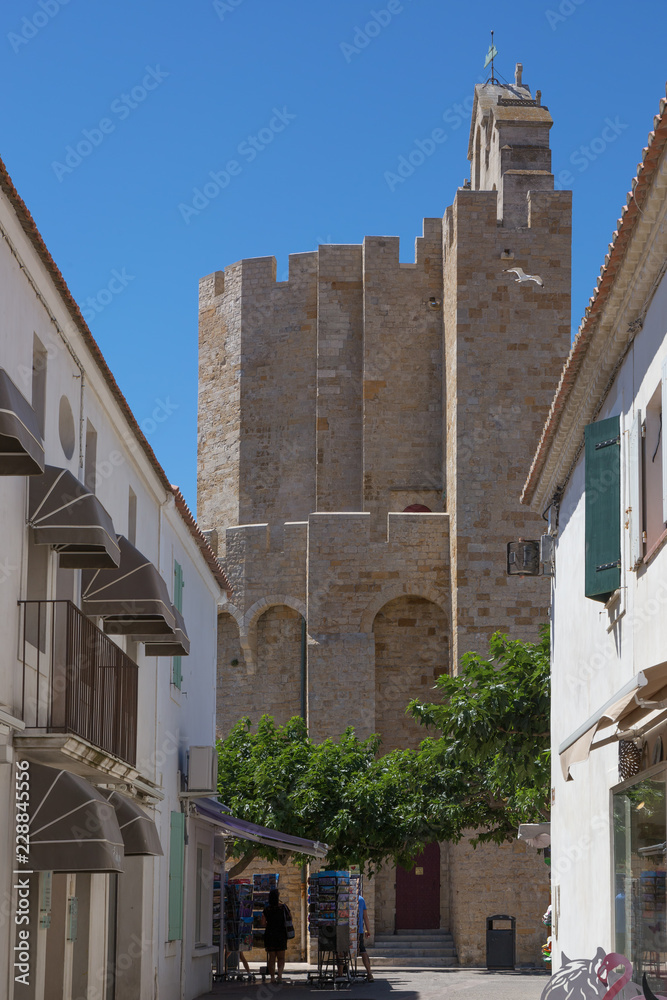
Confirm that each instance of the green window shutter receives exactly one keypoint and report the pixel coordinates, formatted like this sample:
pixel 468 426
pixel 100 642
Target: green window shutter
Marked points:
pixel 603 509
pixel 176 866
pixel 178 586
pixel 176 672
pixel 176 668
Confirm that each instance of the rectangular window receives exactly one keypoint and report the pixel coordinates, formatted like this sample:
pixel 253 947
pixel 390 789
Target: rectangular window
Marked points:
pixel 652 472
pixel 39 358
pixel 176 865
pixel 176 667
pixel 90 475
pixel 132 517
pixel 603 509
pixel 199 875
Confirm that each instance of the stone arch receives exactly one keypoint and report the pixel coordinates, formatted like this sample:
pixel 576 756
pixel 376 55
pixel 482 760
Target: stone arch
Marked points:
pixel 412 637
pixel 400 590
pixel 254 613
pixel 477 159
pixel 278 650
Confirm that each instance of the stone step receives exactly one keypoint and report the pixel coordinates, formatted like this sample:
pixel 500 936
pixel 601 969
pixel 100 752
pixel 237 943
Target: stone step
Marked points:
pixel 405 939
pixel 401 961
pixel 414 953
pixel 432 932
pixel 386 948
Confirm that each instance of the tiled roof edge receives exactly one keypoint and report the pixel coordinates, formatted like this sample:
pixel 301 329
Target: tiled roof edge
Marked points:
pixel 630 214
pixel 29 227
pixel 201 540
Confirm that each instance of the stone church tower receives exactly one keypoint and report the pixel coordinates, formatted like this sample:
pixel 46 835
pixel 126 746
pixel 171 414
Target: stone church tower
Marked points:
pixel 364 431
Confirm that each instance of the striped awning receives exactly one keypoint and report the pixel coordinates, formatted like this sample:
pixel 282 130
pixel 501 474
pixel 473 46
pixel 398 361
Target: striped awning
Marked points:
pixel 65 514
pixel 21 446
pixel 240 829
pixel 133 598
pixel 138 830
pixel 642 701
pixel 72 826
pixel 177 644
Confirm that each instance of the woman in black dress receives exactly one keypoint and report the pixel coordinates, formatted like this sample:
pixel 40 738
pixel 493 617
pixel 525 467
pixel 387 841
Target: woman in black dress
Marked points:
pixel 275 935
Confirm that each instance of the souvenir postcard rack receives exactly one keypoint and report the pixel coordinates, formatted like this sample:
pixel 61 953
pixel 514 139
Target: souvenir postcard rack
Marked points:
pixel 333 920
pixel 261 887
pixel 238 928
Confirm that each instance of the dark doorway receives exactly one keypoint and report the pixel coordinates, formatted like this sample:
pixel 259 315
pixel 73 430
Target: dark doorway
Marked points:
pixel 418 892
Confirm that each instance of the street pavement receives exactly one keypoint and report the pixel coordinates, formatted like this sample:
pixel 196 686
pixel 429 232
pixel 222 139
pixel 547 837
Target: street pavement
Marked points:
pixel 396 984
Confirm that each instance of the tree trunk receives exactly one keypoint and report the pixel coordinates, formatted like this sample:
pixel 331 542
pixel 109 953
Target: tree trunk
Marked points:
pixel 243 862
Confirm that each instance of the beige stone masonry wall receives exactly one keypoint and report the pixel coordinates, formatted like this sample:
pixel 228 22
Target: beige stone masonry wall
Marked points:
pixel 511 879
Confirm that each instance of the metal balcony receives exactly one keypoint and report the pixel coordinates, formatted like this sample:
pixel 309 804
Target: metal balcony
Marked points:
pixel 76 680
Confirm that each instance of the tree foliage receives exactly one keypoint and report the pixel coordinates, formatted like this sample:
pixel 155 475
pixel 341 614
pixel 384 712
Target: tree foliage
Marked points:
pixel 487 770
pixel 494 721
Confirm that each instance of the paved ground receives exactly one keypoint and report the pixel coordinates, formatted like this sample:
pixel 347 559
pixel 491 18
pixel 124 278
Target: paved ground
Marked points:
pixel 397 984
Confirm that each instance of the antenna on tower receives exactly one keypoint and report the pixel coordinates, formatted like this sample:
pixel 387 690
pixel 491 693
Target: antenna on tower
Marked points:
pixel 490 56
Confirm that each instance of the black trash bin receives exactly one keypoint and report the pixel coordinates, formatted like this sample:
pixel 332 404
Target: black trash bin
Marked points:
pixel 500 943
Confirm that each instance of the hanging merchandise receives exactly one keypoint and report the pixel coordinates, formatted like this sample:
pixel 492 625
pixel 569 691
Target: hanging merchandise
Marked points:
pixel 261 886
pixel 333 919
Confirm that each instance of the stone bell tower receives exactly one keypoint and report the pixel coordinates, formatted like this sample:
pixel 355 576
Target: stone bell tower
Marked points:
pixel 364 429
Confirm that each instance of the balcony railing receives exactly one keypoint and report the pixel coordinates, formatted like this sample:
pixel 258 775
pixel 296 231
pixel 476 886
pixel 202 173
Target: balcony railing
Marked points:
pixel 76 680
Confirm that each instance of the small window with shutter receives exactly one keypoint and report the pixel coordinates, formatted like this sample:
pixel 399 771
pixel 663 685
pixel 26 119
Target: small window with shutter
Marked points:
pixel 176 667
pixel 603 509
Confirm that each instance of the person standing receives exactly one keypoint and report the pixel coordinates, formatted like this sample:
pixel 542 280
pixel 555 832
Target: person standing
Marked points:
pixel 364 925
pixel 274 919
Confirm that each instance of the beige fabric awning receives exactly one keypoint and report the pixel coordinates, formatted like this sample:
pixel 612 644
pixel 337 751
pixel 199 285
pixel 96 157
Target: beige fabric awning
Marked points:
pixel 65 514
pixel 133 599
pixel 177 644
pixel 21 447
pixel 535 834
pixel 138 830
pixel 72 827
pixel 642 700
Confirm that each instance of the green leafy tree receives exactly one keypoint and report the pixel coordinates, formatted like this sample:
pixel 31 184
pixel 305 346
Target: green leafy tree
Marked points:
pixel 494 724
pixel 487 770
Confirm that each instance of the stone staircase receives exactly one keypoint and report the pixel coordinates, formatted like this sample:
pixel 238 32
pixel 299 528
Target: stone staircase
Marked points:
pixel 413 949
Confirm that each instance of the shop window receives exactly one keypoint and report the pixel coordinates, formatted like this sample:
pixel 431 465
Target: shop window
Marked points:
pixel 176 663
pixel 201 910
pixel 603 509
pixel 176 864
pixel 640 910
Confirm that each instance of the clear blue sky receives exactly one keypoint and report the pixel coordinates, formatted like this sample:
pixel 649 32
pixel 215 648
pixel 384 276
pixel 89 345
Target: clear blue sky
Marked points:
pixel 218 72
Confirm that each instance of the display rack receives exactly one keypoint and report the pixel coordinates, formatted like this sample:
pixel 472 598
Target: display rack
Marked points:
pixel 261 887
pixel 333 919
pixel 238 927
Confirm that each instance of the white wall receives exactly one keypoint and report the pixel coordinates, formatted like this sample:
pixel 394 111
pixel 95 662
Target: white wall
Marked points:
pixel 593 659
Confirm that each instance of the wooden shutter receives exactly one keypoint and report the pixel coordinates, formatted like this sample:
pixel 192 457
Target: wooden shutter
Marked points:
pixel 635 490
pixel 176 868
pixel 603 509
pixel 664 442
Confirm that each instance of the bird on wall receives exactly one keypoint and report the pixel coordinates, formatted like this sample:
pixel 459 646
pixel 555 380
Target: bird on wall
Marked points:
pixel 522 277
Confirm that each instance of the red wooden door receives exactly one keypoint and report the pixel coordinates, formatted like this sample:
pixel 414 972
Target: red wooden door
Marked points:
pixel 418 892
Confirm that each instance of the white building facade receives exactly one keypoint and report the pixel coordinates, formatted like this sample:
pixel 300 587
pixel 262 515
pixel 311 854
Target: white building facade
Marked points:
pixel 108 625
pixel 601 473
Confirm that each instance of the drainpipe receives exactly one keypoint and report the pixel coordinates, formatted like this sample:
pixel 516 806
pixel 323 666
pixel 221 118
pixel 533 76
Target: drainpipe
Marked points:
pixel 303 669
pixel 304 868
